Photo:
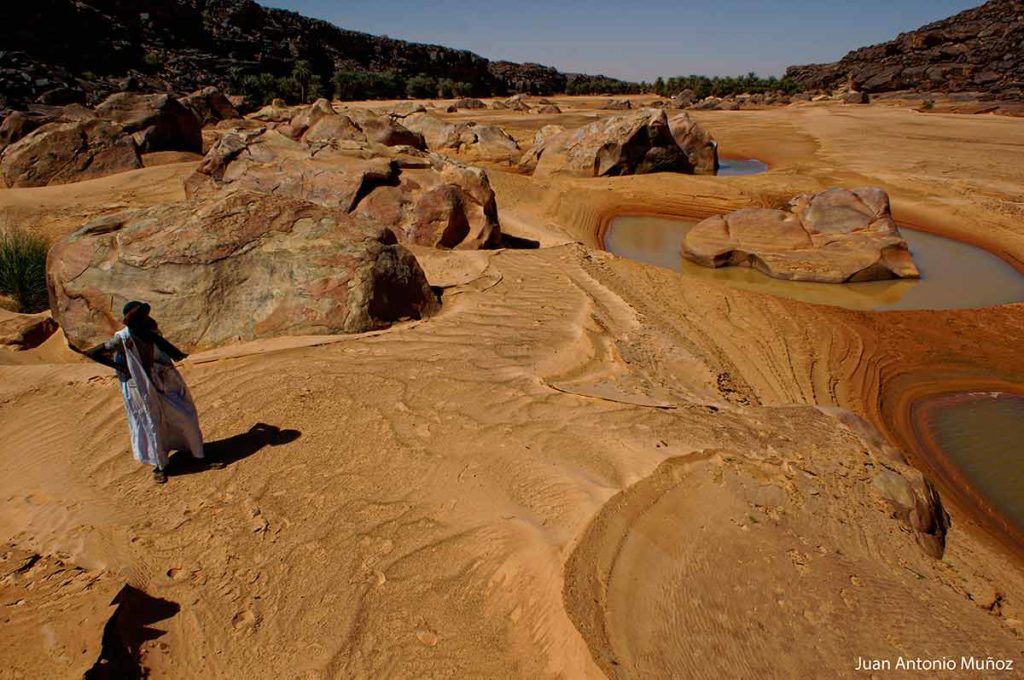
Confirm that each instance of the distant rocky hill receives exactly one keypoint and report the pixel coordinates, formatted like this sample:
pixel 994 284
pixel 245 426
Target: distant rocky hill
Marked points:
pixel 978 50
pixel 62 51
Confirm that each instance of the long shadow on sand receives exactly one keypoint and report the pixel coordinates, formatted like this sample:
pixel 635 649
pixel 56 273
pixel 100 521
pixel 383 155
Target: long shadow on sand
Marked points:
pixel 126 630
pixel 232 449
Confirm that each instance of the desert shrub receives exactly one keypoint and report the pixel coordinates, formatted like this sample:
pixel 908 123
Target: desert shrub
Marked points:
pixel 23 269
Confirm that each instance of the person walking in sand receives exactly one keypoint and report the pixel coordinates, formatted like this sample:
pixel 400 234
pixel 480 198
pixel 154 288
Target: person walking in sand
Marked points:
pixel 161 414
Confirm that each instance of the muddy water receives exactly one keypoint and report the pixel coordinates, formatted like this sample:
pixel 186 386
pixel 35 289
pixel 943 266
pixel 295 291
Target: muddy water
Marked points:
pixel 982 434
pixel 954 275
pixel 741 166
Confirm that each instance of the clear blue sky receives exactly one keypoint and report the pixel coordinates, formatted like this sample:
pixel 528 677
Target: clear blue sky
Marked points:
pixel 640 40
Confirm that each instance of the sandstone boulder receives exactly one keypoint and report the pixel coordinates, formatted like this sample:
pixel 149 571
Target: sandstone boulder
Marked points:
pixel 636 143
pixel 59 153
pixel 17 125
pixel 911 497
pixel 446 205
pixel 308 117
pixel 426 199
pixel 239 267
pixel 275 112
pixel 467 103
pixel 332 130
pixel 835 236
pixel 210 106
pixel 549 109
pixel 528 161
pixel 385 130
pixel 684 99
pixel 517 102
pixel 617 105
pixel 158 122
pixel 856 98
pixel 25 331
pixel 700 147
pixel 471 141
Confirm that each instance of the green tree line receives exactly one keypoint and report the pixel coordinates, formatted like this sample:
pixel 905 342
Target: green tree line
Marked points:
pixel 721 86
pixel 304 85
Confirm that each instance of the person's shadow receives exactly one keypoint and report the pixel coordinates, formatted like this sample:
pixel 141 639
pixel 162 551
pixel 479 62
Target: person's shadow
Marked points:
pixel 231 449
pixel 125 632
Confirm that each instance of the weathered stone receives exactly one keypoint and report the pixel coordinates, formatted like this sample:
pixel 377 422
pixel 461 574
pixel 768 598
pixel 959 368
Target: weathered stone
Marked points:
pixel 528 161
pixel 700 147
pixel 210 106
pixel 636 143
pixel 915 501
pixel 384 130
pixel 308 117
pixel 471 141
pixel 549 109
pixel 617 105
pixel 59 153
pixel 856 98
pixel 17 125
pixel 834 236
pixel 466 103
pixel 399 190
pixel 158 122
pixel 275 112
pixel 8 304
pixel 448 205
pixel 684 99
pixel 239 267
pixel 331 129
pixel 24 331
pixel 974 51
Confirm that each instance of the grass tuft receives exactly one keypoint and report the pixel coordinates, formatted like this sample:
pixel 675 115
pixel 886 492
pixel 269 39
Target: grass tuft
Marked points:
pixel 23 269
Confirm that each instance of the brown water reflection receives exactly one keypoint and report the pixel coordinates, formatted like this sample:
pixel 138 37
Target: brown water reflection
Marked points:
pixel 954 275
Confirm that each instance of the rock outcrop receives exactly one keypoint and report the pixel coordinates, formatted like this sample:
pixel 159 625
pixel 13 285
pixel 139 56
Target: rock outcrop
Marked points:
pixel 63 51
pixel 978 50
pixel 700 147
pixel 240 266
pixel 635 143
pixel 210 106
pixel 466 103
pixel 158 122
pixel 25 331
pixel 427 199
pixel 835 236
pixel 617 105
pixel 470 141
pixel 59 153
pixel 58 145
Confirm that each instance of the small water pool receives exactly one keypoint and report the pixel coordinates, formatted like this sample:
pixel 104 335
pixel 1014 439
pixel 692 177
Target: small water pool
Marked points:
pixel 954 275
pixel 740 166
pixel 982 434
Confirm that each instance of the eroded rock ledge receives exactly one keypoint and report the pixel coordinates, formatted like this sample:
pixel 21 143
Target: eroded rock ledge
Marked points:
pixel 835 236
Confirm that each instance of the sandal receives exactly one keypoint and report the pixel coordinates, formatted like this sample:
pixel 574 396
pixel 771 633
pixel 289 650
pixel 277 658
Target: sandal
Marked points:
pixel 159 476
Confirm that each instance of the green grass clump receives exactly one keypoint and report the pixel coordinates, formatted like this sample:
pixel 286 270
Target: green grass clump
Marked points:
pixel 23 269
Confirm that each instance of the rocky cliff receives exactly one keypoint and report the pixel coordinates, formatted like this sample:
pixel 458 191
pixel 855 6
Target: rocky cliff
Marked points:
pixel 61 51
pixel 980 50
